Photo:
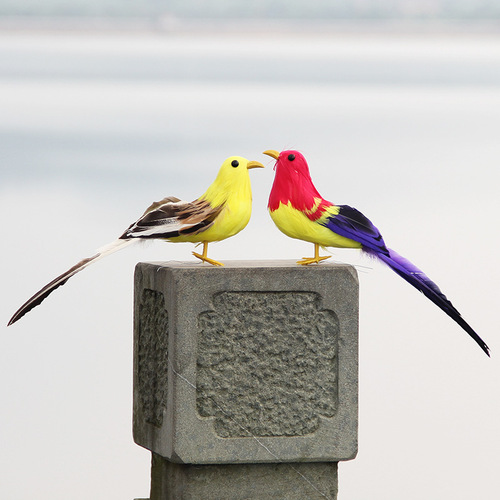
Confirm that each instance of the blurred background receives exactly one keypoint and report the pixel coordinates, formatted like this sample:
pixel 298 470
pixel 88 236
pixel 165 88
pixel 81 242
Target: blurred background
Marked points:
pixel 106 106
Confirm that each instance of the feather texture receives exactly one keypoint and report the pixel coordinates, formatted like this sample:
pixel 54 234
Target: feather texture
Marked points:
pixel 351 223
pixel 171 218
pixel 413 275
pixel 43 293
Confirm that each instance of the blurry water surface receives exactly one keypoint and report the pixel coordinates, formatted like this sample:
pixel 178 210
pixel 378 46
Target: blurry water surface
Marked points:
pixel 95 127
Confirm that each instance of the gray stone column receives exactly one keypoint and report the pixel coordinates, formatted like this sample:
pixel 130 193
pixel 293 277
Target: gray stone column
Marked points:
pixel 245 378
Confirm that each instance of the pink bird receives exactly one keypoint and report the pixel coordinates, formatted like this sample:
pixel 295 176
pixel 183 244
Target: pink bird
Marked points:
pixel 299 211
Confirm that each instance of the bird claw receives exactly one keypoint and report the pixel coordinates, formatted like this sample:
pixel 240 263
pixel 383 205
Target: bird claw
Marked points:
pixel 312 260
pixel 208 260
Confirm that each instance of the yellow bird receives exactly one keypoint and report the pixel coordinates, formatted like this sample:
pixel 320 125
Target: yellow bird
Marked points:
pixel 221 212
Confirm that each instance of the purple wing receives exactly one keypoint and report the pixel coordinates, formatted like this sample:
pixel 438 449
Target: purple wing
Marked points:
pixel 351 223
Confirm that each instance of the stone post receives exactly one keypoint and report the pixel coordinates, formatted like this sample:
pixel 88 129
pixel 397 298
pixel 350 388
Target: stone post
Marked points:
pixel 245 378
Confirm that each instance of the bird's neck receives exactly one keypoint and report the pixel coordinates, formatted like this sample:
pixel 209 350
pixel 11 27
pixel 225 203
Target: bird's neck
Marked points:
pixel 299 192
pixel 224 190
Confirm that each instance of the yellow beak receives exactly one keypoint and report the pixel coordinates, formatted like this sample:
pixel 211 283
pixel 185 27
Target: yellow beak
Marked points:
pixel 272 153
pixel 254 164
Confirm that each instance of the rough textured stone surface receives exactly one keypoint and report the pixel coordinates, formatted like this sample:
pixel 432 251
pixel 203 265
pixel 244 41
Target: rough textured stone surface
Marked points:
pixel 303 481
pixel 253 362
pixel 152 355
pixel 259 358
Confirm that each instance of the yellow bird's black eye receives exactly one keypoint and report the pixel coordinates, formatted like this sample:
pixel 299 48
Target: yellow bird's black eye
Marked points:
pixel 291 157
pixel 235 163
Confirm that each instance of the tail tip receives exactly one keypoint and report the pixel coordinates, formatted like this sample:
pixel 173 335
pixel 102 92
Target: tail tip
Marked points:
pixel 13 319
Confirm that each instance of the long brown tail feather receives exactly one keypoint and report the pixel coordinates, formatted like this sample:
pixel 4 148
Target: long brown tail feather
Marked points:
pixel 42 294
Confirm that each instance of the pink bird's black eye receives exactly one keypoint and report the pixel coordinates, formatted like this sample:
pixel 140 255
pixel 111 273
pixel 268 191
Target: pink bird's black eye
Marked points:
pixel 235 163
pixel 291 157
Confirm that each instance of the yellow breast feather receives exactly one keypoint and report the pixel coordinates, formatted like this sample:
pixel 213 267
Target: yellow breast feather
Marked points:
pixel 296 224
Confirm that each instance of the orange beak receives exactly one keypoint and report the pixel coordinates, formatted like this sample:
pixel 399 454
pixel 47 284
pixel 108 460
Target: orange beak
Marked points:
pixel 254 164
pixel 272 153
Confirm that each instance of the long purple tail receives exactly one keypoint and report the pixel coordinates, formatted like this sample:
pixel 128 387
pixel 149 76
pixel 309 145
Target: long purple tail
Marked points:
pixel 420 281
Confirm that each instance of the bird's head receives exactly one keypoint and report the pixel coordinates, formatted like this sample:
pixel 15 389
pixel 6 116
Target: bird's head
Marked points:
pixel 292 181
pixel 235 164
pixel 235 170
pixel 289 162
pixel 232 178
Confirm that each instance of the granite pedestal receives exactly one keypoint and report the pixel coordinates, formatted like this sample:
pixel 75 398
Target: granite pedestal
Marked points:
pixel 245 378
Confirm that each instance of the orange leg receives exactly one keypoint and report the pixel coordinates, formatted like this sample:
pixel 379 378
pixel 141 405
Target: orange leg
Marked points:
pixel 313 260
pixel 204 257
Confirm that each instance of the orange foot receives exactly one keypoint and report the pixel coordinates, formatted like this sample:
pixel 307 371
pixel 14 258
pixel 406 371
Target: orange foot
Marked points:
pixel 312 260
pixel 204 258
